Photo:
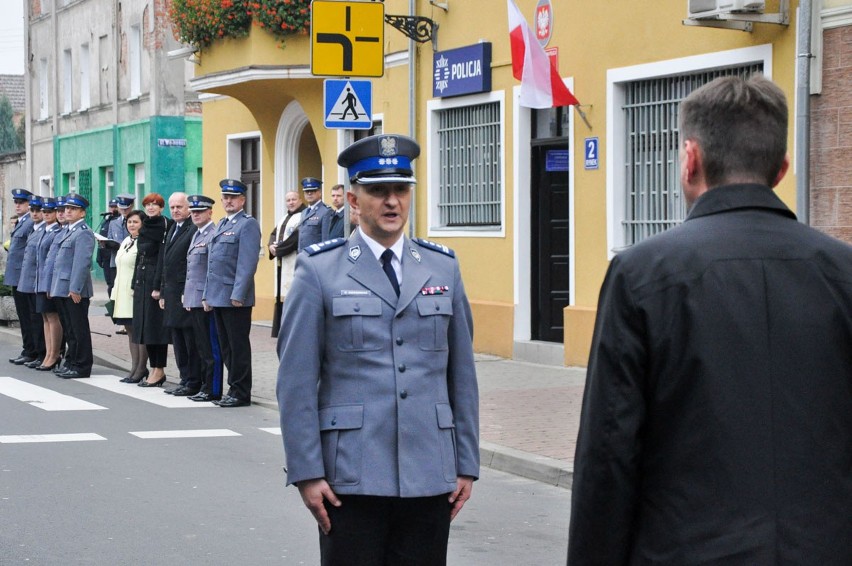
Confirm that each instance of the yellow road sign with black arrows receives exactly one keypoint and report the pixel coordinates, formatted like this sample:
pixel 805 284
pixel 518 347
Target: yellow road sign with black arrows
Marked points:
pixel 347 38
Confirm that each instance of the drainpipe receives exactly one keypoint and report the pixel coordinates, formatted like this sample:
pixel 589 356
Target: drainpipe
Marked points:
pixel 412 112
pixel 803 108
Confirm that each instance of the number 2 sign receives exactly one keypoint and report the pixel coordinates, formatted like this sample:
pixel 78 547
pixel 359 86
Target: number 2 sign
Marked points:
pixel 590 147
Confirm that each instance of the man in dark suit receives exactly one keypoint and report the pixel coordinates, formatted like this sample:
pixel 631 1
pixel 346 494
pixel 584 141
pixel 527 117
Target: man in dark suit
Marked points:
pixel 332 224
pixel 14 261
pixel 717 418
pixel 377 385
pixel 172 275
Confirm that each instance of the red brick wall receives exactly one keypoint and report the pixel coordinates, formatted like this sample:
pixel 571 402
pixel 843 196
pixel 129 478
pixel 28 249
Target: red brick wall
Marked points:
pixel 831 138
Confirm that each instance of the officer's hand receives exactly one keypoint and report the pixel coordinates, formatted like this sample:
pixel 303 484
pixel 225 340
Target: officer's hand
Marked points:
pixel 207 308
pixel 464 485
pixel 313 493
pixel 155 295
pixel 236 303
pixel 272 249
pixel 162 304
pixel 75 297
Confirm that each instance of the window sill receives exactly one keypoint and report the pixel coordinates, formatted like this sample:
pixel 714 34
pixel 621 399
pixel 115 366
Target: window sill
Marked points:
pixel 467 232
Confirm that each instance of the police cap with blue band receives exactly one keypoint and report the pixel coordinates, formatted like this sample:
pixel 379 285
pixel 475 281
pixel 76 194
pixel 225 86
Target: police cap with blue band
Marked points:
pixel 200 202
pixel 311 184
pixel 233 187
pixel 36 202
pixel 380 159
pixel 21 194
pixel 77 201
pixel 124 200
pixel 49 204
pixel 113 202
pixel 60 202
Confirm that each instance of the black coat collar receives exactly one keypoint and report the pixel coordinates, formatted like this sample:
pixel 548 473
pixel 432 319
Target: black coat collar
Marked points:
pixel 733 197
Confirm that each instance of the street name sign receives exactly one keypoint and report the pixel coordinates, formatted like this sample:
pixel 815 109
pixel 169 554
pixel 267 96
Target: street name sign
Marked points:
pixel 347 38
pixel 348 104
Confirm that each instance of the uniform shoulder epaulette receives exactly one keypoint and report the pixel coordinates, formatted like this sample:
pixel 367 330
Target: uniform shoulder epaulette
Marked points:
pixel 84 226
pixel 435 247
pixel 315 249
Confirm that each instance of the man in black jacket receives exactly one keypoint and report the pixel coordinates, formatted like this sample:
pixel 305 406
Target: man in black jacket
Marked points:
pixel 717 418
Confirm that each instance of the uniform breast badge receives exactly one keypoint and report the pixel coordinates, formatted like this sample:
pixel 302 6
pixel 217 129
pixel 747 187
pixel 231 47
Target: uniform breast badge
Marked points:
pixel 436 290
pixel 355 253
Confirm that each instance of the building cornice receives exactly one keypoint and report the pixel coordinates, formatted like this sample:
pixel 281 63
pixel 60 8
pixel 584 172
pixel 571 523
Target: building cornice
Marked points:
pixel 836 17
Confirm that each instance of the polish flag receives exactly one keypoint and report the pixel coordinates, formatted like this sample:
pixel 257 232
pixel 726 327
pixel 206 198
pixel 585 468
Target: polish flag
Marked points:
pixel 541 86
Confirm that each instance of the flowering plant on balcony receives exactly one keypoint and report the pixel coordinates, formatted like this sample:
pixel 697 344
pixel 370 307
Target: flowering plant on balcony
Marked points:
pixel 282 17
pixel 201 22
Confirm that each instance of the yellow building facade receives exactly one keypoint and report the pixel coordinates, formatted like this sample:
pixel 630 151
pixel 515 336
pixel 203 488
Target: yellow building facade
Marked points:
pixel 538 218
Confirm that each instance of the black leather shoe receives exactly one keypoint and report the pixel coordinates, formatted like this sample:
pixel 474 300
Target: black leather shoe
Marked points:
pixel 47 368
pixel 158 383
pixel 60 369
pixel 73 374
pixel 21 360
pixel 202 396
pixel 33 364
pixel 184 391
pixel 229 402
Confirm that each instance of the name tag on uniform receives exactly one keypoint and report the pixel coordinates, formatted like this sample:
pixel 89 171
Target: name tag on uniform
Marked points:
pixel 355 293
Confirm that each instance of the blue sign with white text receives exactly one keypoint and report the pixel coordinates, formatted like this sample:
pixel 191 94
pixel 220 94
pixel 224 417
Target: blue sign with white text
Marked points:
pixel 466 70
pixel 592 158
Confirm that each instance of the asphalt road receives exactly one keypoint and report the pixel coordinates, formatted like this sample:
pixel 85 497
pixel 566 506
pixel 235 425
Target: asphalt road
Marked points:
pixel 143 483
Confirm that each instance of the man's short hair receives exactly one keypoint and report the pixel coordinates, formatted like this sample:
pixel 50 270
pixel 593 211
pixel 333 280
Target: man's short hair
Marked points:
pixel 740 126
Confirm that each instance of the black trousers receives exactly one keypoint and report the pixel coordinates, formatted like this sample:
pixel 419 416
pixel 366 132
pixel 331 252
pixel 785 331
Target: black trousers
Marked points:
pixel 109 277
pixel 36 326
pixel 207 351
pixel 188 365
pixel 158 355
pixel 387 531
pixel 78 355
pixel 234 326
pixel 22 306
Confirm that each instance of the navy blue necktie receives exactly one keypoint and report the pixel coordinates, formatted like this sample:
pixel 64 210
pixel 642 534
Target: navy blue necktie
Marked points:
pixel 387 255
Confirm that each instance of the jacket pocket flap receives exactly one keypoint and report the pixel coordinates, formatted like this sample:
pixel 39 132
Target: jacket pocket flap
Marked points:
pixel 427 306
pixel 341 417
pixel 356 306
pixel 445 415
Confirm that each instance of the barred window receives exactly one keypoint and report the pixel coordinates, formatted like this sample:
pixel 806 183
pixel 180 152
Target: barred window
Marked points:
pixel 654 202
pixel 470 184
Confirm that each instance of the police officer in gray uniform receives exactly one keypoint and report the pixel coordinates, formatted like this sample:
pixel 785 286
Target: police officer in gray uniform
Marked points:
pixel 14 261
pixel 116 233
pixel 72 286
pixel 233 252
pixel 28 276
pixel 310 229
pixel 377 386
pixel 203 325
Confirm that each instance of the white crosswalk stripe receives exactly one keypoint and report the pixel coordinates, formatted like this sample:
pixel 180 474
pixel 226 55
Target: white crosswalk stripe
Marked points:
pixel 272 430
pixel 153 395
pixel 32 438
pixel 42 397
pixel 210 433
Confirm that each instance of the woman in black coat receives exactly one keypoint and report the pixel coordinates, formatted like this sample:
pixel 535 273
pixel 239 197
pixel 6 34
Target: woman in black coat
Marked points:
pixel 148 327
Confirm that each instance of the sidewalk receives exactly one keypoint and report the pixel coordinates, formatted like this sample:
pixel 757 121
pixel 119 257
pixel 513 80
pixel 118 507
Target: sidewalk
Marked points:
pixel 529 413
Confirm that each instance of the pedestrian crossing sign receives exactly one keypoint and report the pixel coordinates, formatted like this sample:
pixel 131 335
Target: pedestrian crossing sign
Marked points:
pixel 348 104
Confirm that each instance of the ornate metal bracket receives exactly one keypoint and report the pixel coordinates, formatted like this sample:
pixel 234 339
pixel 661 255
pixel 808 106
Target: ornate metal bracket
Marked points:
pixel 418 28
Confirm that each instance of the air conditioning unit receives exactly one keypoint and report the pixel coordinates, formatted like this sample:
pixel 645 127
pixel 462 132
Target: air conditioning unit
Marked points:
pixel 709 8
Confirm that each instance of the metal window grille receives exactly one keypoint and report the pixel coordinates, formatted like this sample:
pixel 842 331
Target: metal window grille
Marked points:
pixel 469 160
pixel 654 202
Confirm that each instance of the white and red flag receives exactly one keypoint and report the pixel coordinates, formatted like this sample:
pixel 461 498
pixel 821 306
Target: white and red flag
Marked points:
pixel 541 85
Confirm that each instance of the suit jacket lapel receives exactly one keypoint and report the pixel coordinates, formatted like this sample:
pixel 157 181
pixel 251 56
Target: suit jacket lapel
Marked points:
pixel 367 271
pixel 414 277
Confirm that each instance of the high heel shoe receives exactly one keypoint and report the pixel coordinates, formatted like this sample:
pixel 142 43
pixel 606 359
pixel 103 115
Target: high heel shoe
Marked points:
pixel 158 383
pixel 47 368
pixel 130 379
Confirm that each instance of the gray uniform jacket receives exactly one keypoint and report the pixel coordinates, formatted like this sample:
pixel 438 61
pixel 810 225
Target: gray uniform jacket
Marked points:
pixel 50 261
pixel 17 247
pixel 29 269
pixel 310 230
pixel 232 261
pixel 332 224
pixel 117 233
pixel 44 261
pixel 378 394
pixel 196 267
pixel 72 269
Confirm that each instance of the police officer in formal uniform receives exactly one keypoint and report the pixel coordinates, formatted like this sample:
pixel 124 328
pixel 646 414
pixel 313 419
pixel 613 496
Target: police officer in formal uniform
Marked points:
pixel 104 252
pixel 45 306
pixel 203 324
pixel 14 261
pixel 310 230
pixel 72 286
pixel 234 250
pixel 377 385
pixel 28 276
pixel 118 227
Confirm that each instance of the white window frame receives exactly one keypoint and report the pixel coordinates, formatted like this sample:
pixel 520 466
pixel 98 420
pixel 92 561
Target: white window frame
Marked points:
pixel 233 151
pixel 85 79
pixel 43 92
pixel 433 172
pixel 72 182
pixel 134 55
pixel 45 183
pixel 139 181
pixel 615 158
pixel 109 182
pixel 67 82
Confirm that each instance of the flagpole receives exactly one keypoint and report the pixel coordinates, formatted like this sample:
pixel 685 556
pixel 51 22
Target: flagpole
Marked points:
pixel 582 115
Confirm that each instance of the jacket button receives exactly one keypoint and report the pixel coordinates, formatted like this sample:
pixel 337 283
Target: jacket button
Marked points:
pixel 403 394
pixel 401 368
pixel 333 421
pixel 437 307
pixel 399 341
pixel 357 308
